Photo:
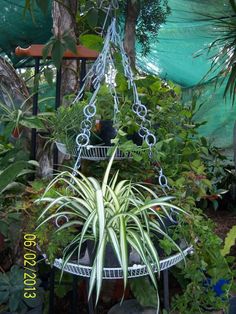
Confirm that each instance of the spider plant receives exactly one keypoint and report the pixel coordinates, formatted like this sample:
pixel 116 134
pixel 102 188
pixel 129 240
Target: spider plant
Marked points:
pixel 120 213
pixel 64 124
pixel 17 117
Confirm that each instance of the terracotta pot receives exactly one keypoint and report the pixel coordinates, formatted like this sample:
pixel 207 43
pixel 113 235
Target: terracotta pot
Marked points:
pixel 16 133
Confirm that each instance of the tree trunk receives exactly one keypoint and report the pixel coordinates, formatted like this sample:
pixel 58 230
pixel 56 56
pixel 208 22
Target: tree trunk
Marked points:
pixel 64 20
pixel 12 87
pixel 13 91
pixel 132 13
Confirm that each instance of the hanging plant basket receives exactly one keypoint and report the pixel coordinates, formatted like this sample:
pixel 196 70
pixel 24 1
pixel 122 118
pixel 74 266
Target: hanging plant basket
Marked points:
pixel 136 270
pixel 94 152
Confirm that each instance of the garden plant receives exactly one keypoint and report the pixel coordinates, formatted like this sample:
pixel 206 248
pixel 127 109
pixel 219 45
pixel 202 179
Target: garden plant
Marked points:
pixel 115 213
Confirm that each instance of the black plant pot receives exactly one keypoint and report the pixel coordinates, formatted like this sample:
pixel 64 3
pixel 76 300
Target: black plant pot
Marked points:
pixel 74 256
pixel 135 138
pixel 110 259
pixel 107 132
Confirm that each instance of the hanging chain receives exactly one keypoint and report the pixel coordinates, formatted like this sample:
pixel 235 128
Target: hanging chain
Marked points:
pixel 104 69
pixel 138 108
pixel 163 182
pixel 95 76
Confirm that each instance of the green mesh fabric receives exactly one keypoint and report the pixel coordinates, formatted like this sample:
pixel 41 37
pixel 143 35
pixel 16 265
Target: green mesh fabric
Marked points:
pixel 173 54
pixel 173 57
pixel 19 30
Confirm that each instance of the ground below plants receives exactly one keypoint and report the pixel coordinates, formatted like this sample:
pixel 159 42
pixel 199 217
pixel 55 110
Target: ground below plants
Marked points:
pixel 224 220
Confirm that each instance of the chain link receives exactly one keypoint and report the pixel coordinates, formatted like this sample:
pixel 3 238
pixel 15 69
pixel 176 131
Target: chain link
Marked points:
pixel 138 108
pixel 64 217
pixel 163 182
pixel 104 69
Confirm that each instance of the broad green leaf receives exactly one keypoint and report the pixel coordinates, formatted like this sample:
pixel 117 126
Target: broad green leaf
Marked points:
pixel 91 41
pixel 14 300
pixel 70 43
pixel 48 74
pixel 229 241
pixel 10 174
pixel 58 50
pixel 144 291
pixel 32 123
pixel 46 50
pixel 92 17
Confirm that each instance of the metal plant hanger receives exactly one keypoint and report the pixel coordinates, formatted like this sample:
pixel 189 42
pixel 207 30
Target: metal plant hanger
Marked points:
pixel 103 70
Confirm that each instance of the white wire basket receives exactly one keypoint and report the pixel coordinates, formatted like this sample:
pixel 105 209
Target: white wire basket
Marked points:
pixel 94 152
pixel 116 273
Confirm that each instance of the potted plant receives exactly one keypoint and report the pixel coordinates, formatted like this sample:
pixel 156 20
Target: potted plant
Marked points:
pixel 64 125
pixel 106 130
pixel 119 213
pixel 16 119
pixel 109 121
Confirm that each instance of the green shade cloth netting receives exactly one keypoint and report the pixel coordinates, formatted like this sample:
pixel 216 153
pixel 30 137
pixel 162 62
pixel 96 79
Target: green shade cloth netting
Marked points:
pixel 187 31
pixel 19 29
pixel 173 54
